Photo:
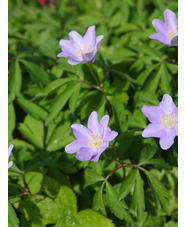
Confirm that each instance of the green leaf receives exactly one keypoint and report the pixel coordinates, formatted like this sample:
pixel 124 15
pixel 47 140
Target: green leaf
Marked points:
pixel 59 102
pixel 59 133
pixel 115 205
pixel 146 154
pixel 91 177
pixel 98 204
pixel 56 145
pixel 90 218
pixel 146 98
pixel 152 53
pixel 25 223
pixel 138 197
pixel 53 86
pixel 33 109
pixel 119 113
pixel 51 186
pixel 137 120
pixel 50 211
pixel 42 158
pixel 145 74
pixel 15 79
pixel 37 73
pixel 33 130
pixel 21 143
pixel 74 98
pixel 165 80
pixel 127 184
pixel 124 76
pixel 160 163
pixel 159 192
pixel 34 181
pixel 90 102
pixel 153 83
pixel 64 205
pixel 11 120
pixel 13 221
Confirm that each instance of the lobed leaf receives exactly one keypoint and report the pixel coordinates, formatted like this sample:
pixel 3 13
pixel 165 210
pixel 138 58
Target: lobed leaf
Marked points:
pixel 127 184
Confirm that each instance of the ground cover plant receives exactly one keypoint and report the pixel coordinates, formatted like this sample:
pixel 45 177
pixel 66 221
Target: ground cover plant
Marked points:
pixel 92 113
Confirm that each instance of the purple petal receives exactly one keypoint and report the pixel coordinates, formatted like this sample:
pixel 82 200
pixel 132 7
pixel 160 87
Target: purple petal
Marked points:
pixel 62 54
pixel 167 105
pixel 71 62
pixel 153 113
pixel 174 41
pixel 68 49
pixel 76 38
pixel 160 37
pixel 160 27
pixel 103 147
pixel 84 154
pixel 81 132
pixel 110 135
pixel 175 113
pixel 94 125
pixel 96 157
pixel 75 146
pixel 89 37
pixel 153 130
pixel 167 139
pixel 10 164
pixel 87 57
pixel 104 122
pixel 98 40
pixel 10 149
pixel 170 18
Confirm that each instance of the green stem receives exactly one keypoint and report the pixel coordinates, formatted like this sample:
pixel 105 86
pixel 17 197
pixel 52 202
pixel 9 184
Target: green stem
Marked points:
pixel 92 72
pixel 105 77
pixel 13 171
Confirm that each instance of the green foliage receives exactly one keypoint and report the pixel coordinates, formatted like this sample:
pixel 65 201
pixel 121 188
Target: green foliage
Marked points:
pixel 116 206
pixel 127 184
pixel 46 95
pixel 13 221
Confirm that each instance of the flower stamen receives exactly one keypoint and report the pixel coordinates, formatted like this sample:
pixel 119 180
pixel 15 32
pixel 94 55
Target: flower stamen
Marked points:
pixel 172 33
pixel 168 121
pixel 84 49
pixel 94 141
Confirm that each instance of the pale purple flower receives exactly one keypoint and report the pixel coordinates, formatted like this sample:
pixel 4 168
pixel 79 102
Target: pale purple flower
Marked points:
pixel 9 151
pixel 167 32
pixel 164 122
pixel 80 49
pixel 92 141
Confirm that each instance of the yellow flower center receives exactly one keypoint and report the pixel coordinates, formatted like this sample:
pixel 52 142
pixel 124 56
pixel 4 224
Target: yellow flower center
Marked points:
pixel 94 141
pixel 168 121
pixel 172 33
pixel 84 49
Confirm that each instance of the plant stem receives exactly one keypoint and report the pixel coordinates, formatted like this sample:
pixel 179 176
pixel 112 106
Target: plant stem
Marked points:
pixel 27 190
pixel 118 167
pixel 92 86
pixel 13 171
pixel 117 153
pixel 105 77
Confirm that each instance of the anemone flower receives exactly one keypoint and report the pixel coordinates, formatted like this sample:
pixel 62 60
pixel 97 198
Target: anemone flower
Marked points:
pixel 167 32
pixel 164 122
pixel 80 49
pixel 92 141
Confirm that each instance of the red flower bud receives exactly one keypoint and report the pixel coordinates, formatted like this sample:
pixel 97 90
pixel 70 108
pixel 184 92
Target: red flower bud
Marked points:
pixel 42 1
